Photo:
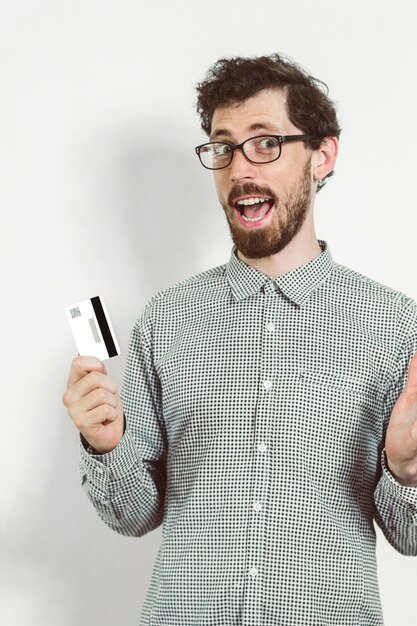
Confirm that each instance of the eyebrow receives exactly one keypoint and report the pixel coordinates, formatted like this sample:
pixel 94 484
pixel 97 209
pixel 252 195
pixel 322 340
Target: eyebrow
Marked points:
pixel 223 132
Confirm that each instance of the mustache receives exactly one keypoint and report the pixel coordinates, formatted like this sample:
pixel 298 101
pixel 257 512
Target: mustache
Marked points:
pixel 249 189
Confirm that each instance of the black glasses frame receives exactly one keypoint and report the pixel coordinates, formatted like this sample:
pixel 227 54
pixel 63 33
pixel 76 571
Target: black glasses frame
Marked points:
pixel 239 146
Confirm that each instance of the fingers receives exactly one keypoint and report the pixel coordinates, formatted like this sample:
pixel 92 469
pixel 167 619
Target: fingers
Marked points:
pixel 101 415
pixel 90 382
pixel 93 403
pixel 88 387
pixel 82 365
pixel 412 375
pixel 97 397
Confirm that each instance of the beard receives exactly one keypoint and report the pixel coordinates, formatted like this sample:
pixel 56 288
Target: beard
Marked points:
pixel 290 213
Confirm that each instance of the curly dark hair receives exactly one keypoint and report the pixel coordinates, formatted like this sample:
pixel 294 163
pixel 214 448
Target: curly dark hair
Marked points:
pixel 231 81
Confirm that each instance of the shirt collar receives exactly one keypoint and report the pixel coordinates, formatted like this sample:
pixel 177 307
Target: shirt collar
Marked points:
pixel 297 285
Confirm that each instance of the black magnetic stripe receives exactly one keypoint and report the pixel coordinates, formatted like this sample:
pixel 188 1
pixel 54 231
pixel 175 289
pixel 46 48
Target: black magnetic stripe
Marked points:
pixel 104 327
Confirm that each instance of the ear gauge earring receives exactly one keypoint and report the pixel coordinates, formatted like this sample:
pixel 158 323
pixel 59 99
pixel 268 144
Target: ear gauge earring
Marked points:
pixel 322 182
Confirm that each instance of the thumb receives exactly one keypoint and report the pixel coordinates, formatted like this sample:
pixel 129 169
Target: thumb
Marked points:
pixel 82 365
pixel 412 375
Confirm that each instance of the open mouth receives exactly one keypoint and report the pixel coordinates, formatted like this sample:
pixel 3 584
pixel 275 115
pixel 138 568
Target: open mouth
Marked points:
pixel 252 210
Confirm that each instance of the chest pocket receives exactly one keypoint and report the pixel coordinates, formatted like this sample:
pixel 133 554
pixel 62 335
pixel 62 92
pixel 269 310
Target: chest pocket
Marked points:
pixel 364 388
pixel 341 418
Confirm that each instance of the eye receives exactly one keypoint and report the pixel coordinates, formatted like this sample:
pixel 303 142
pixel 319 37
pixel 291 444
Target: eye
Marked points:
pixel 216 150
pixel 221 149
pixel 268 143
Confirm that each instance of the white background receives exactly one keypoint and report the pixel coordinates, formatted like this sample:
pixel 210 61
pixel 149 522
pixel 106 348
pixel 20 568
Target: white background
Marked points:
pixel 101 193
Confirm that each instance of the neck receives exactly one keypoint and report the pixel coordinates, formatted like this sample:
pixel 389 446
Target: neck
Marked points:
pixel 303 248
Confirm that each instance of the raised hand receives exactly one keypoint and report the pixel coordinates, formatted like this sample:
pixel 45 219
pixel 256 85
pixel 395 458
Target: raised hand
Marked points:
pixel 94 404
pixel 401 437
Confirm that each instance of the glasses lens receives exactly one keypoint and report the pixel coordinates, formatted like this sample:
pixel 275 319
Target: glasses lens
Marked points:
pixel 262 149
pixel 216 155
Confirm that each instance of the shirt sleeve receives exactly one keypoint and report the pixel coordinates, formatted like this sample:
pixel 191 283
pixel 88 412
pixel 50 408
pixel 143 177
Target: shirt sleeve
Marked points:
pixel 396 505
pixel 127 485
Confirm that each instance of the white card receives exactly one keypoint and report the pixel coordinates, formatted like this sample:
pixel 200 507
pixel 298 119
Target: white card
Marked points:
pixel 92 329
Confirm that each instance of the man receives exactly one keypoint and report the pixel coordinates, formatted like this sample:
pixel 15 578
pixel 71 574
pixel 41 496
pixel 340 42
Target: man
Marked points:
pixel 266 417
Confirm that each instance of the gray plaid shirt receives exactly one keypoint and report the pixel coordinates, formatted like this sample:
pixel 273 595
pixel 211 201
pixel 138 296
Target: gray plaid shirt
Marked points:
pixel 256 411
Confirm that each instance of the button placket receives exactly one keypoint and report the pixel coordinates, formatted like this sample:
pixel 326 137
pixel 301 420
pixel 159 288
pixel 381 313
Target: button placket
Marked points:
pixel 261 460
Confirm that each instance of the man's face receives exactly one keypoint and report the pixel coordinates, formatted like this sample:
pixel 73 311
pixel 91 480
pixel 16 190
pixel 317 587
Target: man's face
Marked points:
pixel 278 195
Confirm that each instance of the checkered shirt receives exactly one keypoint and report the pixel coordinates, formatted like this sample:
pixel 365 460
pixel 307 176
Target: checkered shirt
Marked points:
pixel 256 411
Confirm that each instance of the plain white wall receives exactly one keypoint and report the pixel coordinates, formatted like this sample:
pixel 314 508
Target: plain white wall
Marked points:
pixel 101 192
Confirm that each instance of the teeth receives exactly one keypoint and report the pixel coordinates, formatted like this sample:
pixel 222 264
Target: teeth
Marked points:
pixel 253 219
pixel 249 201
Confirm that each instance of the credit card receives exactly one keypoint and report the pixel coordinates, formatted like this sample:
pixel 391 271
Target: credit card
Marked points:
pixel 91 326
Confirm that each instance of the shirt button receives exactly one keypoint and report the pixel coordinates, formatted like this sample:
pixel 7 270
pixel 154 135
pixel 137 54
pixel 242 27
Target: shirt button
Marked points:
pixel 270 326
pixel 257 506
pixel 267 384
pixel 262 447
pixel 253 571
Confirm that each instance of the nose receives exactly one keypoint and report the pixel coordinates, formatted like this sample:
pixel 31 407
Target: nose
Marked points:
pixel 241 168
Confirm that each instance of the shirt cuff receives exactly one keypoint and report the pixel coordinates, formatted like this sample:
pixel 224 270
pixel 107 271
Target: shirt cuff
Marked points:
pixel 100 469
pixel 407 494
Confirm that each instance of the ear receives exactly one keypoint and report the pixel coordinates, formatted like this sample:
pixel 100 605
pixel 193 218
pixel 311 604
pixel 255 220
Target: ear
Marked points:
pixel 324 158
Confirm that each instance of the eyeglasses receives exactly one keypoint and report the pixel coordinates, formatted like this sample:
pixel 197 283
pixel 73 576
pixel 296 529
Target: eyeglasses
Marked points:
pixel 216 155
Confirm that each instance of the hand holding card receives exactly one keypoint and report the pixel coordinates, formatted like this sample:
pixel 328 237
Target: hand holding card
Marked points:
pixel 94 404
pixel 92 398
